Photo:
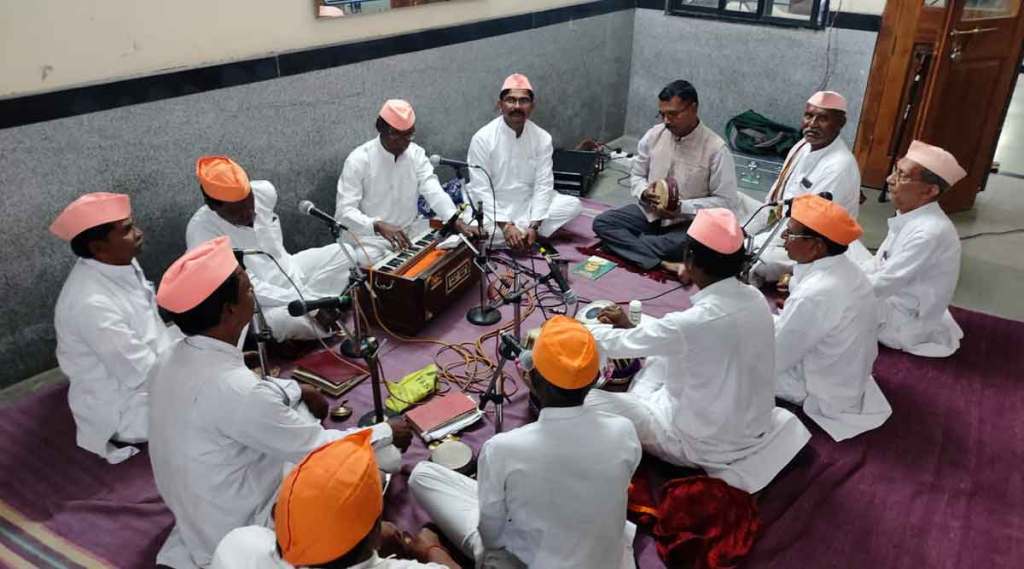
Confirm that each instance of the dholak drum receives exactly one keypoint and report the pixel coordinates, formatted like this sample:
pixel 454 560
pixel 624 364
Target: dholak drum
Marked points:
pixel 666 194
pixel 454 454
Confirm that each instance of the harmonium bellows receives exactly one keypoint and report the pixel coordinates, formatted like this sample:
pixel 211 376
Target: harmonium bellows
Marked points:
pixel 416 284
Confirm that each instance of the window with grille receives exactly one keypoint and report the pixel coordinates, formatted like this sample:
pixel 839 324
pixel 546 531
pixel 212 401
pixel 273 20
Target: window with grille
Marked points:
pixel 795 13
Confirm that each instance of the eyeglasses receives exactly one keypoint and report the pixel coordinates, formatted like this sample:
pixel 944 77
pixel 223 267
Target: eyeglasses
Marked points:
pixel 899 176
pixel 786 235
pixel 673 114
pixel 517 101
pixel 409 135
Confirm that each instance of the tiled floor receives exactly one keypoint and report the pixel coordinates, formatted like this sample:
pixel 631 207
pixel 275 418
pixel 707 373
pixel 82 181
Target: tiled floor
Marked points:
pixel 1010 151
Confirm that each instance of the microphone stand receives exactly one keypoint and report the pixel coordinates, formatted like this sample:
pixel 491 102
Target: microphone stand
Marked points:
pixel 263 335
pixel 485 314
pixel 495 392
pixel 744 274
pixel 358 344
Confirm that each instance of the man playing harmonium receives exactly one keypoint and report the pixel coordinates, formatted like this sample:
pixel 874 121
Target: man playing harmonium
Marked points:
pixel 109 332
pixel 551 493
pixel 915 270
pixel 681 166
pixel 517 156
pixel 704 397
pixel 328 516
pixel 380 183
pixel 244 211
pixel 220 437
pixel 826 338
pixel 820 162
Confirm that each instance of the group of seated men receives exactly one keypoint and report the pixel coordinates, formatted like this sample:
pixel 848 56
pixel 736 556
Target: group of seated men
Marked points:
pixel 551 493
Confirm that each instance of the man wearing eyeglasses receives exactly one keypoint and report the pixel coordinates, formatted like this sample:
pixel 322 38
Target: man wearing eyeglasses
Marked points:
pixel 915 270
pixel 826 338
pixel 517 191
pixel 820 162
pixel 380 183
pixel 684 149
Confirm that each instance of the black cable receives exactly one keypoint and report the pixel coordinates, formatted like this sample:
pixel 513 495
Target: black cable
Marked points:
pixel 992 233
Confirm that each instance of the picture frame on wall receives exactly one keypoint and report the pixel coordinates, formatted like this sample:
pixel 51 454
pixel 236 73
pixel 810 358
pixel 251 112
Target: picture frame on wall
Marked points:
pixel 329 9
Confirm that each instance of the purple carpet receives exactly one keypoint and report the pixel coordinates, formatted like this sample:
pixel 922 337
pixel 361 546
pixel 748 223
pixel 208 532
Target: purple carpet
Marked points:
pixel 936 486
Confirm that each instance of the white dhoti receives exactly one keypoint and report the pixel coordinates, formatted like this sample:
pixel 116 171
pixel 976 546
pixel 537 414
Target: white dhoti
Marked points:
pixel 902 329
pixel 323 272
pixel 451 501
pixel 748 469
pixel 564 208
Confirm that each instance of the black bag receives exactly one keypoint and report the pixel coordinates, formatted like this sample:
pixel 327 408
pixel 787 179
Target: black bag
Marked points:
pixel 753 133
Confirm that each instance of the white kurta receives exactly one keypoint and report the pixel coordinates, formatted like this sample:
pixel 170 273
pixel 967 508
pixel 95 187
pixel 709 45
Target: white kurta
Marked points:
pixel 700 162
pixel 826 342
pixel 831 169
pixel 318 272
pixel 255 547
pixel 705 395
pixel 219 442
pixel 520 169
pixel 914 274
pixel 375 186
pixel 551 493
pixel 109 335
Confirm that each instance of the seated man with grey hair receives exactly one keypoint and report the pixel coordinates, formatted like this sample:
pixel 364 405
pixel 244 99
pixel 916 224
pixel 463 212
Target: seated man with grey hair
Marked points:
pixel 915 270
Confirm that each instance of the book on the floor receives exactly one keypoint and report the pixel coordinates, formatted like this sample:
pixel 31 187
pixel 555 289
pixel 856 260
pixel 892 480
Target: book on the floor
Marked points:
pixel 326 371
pixel 443 415
pixel 593 268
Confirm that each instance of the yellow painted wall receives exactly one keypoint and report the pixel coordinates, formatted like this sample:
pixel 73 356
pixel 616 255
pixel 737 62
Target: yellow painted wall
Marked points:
pixel 47 45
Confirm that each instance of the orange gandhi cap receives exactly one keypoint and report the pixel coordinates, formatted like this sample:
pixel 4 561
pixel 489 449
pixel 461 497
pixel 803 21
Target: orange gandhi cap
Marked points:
pixel 329 502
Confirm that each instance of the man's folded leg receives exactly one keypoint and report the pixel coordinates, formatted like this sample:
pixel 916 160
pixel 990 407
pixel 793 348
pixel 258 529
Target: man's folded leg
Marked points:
pixel 450 500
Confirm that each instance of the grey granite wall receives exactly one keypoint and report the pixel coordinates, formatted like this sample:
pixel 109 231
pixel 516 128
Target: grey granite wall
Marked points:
pixel 736 67
pixel 295 132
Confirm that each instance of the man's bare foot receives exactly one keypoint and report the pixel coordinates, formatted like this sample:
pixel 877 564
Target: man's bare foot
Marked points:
pixel 671 267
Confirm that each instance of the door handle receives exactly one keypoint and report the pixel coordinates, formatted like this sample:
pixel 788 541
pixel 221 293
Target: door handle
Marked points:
pixel 976 30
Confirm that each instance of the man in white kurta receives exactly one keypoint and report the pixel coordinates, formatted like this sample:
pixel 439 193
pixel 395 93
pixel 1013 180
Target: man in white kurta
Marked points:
pixel 682 148
pixel 826 338
pixel 328 514
pixel 552 493
pixel 820 162
pixel 380 184
pixel 704 397
pixel 517 193
pixel 244 211
pixel 220 438
pixel 915 271
pixel 109 332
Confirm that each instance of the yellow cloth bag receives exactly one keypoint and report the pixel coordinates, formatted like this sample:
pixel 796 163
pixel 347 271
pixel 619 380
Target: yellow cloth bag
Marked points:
pixel 412 388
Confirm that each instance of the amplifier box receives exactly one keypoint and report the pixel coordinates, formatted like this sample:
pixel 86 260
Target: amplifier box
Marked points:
pixel 575 170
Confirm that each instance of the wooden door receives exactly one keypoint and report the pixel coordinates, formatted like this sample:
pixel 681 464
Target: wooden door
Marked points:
pixel 974 75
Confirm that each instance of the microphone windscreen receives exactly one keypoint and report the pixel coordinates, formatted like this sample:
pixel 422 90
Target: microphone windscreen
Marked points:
pixel 435 160
pixel 306 206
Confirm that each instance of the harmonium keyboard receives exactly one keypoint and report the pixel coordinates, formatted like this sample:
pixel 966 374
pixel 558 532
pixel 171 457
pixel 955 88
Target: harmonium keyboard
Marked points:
pixel 416 284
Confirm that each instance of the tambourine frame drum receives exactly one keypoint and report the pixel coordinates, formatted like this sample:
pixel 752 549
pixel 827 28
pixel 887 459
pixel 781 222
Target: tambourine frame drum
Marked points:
pixel 666 192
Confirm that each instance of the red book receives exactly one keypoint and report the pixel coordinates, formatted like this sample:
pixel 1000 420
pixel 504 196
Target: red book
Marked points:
pixel 440 411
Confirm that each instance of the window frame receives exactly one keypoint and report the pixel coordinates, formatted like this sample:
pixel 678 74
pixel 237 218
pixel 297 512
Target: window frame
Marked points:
pixel 816 20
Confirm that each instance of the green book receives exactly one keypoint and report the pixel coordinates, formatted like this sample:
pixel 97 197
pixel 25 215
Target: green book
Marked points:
pixel 593 268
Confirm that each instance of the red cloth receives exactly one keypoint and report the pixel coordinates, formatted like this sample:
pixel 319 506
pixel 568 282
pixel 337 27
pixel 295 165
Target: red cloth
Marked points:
pixel 699 522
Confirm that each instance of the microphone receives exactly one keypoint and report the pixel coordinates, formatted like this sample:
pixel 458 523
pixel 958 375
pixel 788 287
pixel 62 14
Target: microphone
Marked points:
pixel 438 160
pixel 549 253
pixel 306 207
pixel 299 307
pixel 449 226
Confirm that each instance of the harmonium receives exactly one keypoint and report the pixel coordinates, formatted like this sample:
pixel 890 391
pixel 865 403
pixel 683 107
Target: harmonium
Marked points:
pixel 418 283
